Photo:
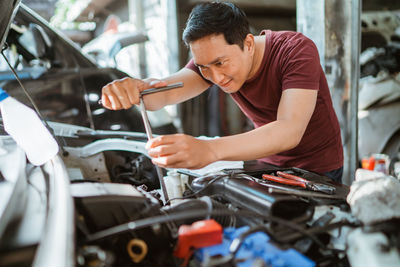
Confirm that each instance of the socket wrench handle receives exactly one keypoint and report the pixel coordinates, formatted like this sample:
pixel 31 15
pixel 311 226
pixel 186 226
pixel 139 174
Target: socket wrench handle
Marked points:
pixel 155 90
pixel 150 136
pixel 161 89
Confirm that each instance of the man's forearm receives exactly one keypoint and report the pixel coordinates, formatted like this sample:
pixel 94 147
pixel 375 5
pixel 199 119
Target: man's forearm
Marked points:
pixel 267 140
pixel 295 110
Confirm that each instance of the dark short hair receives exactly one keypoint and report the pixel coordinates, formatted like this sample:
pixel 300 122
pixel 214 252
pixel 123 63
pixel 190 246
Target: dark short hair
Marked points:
pixel 217 18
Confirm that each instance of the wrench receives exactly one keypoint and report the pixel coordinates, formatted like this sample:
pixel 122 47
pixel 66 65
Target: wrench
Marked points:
pixel 149 132
pixel 150 136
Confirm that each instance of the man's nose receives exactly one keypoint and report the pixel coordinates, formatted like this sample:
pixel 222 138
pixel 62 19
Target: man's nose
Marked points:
pixel 217 76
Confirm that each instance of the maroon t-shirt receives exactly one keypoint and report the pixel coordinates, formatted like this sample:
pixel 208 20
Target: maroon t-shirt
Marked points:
pixel 291 61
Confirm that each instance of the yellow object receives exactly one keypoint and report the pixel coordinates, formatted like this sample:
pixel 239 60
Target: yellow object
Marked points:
pixel 140 246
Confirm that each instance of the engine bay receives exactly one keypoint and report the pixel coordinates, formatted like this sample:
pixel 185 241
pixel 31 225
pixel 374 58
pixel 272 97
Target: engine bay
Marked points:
pixel 227 217
pixel 232 217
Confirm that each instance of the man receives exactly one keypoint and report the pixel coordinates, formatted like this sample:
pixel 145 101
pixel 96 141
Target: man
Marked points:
pixel 275 78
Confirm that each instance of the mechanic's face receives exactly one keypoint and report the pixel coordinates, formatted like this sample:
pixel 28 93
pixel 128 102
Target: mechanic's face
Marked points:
pixel 226 65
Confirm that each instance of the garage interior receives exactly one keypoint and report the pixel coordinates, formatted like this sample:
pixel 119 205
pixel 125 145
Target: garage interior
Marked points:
pixel 214 113
pixel 103 202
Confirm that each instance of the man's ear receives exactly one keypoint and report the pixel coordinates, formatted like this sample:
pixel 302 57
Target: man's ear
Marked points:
pixel 249 43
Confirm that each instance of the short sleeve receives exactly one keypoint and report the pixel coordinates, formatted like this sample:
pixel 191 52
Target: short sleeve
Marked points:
pixel 300 65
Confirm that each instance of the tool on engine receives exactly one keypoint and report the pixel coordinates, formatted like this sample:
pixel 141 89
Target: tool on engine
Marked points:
pixel 290 179
pixel 149 132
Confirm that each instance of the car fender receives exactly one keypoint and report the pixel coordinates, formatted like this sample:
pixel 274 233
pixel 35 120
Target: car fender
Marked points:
pixel 376 127
pixel 378 91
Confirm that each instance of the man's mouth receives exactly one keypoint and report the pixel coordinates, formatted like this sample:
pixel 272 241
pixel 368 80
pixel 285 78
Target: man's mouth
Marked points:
pixel 226 84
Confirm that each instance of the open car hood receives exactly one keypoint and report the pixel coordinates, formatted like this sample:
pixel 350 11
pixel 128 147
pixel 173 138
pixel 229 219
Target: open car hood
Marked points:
pixel 8 9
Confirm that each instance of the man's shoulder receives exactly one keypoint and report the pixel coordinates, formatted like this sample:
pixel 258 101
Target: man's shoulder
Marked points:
pixel 288 36
pixel 278 37
pixel 290 41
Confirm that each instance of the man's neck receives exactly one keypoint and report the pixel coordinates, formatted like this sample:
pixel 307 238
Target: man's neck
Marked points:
pixel 258 55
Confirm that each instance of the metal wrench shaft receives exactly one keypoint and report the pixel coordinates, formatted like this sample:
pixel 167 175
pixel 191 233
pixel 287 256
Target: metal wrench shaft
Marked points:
pixel 155 90
pixel 150 136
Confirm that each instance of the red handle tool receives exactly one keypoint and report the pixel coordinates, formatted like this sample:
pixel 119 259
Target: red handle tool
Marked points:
pixel 292 177
pixel 287 181
pixel 309 184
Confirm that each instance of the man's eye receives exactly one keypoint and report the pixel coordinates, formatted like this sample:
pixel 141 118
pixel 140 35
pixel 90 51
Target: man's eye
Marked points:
pixel 219 63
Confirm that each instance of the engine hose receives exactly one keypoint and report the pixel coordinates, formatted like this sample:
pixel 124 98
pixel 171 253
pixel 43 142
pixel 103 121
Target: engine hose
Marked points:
pixel 223 219
pixel 205 203
pixel 144 223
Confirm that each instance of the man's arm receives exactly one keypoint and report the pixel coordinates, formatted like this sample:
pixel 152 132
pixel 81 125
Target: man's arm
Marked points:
pixel 182 151
pixel 122 94
pixel 295 109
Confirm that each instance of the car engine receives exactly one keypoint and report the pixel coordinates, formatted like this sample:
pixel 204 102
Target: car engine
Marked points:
pixel 99 203
pixel 230 217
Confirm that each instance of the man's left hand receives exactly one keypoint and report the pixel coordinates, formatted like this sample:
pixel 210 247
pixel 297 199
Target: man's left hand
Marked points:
pixel 180 151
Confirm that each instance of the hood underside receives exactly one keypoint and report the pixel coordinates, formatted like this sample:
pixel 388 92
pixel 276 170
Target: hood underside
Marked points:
pixel 8 9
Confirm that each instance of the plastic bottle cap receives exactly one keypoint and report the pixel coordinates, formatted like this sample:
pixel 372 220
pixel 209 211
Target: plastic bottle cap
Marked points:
pixel 3 94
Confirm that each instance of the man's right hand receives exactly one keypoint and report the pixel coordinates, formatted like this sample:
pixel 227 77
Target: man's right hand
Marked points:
pixel 123 93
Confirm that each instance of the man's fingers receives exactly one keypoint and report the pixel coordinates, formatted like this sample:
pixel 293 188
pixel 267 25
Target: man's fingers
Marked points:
pixel 132 88
pixel 120 92
pixel 162 150
pixel 170 161
pixel 166 152
pixel 105 97
pixel 125 92
pixel 157 84
pixel 179 151
pixel 161 140
pixel 133 96
pixel 105 102
pixel 110 100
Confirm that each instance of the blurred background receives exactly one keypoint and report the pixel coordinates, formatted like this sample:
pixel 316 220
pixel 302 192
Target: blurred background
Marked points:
pixel 143 39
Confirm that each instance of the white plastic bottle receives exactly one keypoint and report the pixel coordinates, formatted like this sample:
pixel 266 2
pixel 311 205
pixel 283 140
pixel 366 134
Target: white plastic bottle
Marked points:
pixel 28 131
